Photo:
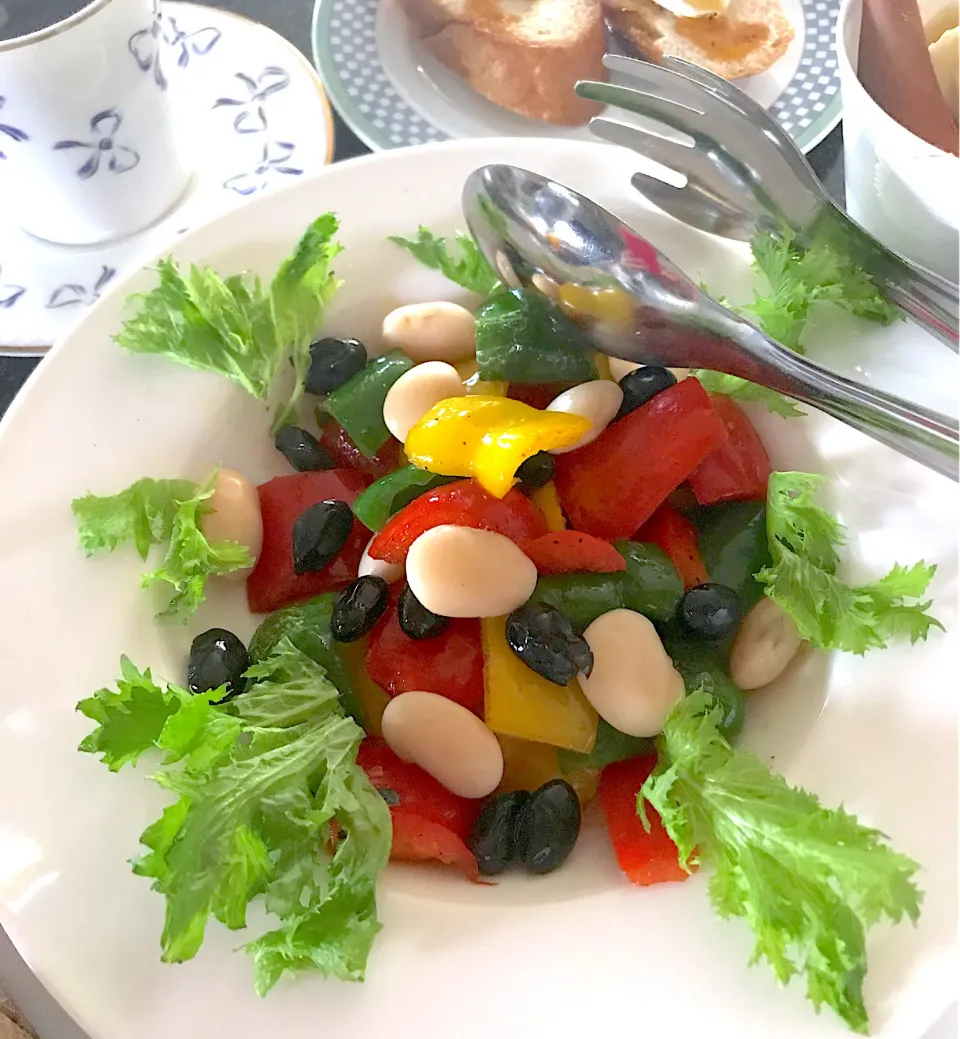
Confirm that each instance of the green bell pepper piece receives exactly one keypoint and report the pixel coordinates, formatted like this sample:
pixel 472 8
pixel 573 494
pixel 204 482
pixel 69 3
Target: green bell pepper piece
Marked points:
pixel 611 745
pixel 307 625
pixel 649 585
pixel 703 665
pixel 392 492
pixel 733 545
pixel 525 337
pixel 358 404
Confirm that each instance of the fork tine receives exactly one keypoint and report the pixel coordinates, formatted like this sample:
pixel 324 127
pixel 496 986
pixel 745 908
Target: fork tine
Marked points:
pixel 686 206
pixel 670 154
pixel 671 199
pixel 678 158
pixel 721 88
pixel 678 85
pixel 673 113
pixel 700 202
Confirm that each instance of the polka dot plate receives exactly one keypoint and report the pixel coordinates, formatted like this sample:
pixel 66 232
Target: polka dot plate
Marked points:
pixel 392 94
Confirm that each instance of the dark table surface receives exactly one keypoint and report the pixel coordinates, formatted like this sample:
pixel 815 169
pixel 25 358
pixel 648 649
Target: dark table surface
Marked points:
pixel 291 18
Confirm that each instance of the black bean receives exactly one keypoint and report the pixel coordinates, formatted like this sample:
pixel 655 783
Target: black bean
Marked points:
pixel 492 839
pixel 536 471
pixel 319 532
pixel 358 608
pixel 302 450
pixel 711 611
pixel 217 657
pixel 547 642
pixel 547 827
pixel 332 362
pixel 641 385
pixel 416 621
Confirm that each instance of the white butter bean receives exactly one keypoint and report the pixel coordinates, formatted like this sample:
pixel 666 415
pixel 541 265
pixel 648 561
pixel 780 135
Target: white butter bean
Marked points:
pixel 766 642
pixel 633 683
pixel 446 740
pixel 416 392
pixel 462 572
pixel 430 331
pixel 597 401
pixel 235 515
pixel 545 284
pixel 370 567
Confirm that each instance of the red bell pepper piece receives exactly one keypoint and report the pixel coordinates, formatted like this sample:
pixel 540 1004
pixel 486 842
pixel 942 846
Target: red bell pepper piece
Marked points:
pixel 335 440
pixel 429 822
pixel 646 858
pixel 466 504
pixel 273 583
pixel 451 664
pixel 416 839
pixel 677 536
pixel 613 485
pixel 536 394
pixel 571 552
pixel 738 470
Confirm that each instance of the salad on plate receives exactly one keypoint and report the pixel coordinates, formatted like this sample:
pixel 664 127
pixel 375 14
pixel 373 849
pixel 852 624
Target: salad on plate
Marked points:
pixel 507 585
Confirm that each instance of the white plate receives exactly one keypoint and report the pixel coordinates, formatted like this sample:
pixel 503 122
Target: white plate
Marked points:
pixel 254 114
pixel 391 93
pixel 579 952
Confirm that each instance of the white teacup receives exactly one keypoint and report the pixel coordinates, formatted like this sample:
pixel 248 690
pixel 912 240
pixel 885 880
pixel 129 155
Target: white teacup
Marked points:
pixel 86 124
pixel 901 189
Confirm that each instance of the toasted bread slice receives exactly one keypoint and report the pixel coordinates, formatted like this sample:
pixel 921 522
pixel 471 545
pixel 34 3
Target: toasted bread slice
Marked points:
pixel 745 41
pixel 525 55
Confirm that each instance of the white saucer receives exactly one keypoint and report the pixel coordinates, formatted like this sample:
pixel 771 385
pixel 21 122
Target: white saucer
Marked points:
pixel 256 118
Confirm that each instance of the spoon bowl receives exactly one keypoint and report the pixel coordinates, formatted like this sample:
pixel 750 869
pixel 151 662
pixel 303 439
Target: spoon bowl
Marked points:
pixel 634 303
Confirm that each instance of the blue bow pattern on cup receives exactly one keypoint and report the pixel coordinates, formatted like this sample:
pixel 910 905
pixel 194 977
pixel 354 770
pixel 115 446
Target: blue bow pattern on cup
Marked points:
pixel 74 294
pixel 252 117
pixel 11 131
pixel 9 293
pixel 103 126
pixel 196 43
pixel 276 155
pixel 145 48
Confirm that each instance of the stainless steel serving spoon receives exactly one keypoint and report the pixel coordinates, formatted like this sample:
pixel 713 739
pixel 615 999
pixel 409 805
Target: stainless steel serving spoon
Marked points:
pixel 540 234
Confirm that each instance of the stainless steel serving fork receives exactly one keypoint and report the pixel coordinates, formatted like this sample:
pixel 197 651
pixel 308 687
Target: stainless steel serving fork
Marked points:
pixel 744 175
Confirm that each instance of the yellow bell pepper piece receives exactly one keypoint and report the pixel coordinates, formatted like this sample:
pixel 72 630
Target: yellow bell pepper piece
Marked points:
pixel 519 702
pixel 602 363
pixel 584 782
pixel 373 700
pixel 526 765
pixel 547 501
pixel 474 385
pixel 611 305
pixel 487 438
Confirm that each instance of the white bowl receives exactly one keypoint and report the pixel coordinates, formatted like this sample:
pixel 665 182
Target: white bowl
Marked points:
pixel 580 952
pixel 901 189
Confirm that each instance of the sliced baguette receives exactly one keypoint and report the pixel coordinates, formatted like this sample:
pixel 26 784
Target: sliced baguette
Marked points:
pixel 655 32
pixel 525 55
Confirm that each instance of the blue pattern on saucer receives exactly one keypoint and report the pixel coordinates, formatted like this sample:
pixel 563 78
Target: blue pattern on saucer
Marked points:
pixel 263 121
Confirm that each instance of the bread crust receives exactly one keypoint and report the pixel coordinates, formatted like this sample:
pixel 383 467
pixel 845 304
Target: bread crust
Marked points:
pixel 653 30
pixel 532 78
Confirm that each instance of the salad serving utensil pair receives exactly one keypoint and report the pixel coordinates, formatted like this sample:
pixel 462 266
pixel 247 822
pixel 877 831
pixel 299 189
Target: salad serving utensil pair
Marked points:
pixel 745 175
pixel 542 235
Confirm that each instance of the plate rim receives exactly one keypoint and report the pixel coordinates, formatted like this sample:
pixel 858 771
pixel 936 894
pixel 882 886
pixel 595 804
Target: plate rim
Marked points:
pixel 545 144
pixel 377 140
